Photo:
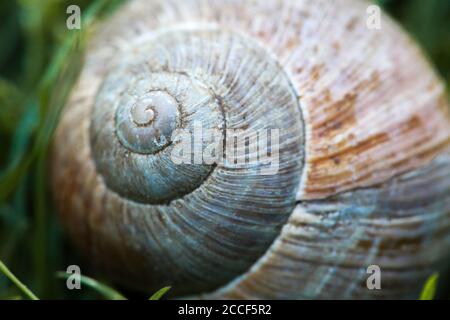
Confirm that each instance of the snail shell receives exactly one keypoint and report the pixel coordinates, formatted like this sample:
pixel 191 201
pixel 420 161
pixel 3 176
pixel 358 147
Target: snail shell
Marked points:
pixel 364 152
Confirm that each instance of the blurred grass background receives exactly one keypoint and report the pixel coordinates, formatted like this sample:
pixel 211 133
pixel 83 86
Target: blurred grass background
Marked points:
pixel 39 61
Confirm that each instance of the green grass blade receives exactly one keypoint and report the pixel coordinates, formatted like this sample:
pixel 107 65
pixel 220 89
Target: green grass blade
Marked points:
pixel 429 289
pixel 158 294
pixel 66 56
pixel 13 298
pixel 106 291
pixel 4 269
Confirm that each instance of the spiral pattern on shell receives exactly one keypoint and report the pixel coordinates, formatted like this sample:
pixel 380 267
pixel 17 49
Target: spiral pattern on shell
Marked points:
pixel 364 152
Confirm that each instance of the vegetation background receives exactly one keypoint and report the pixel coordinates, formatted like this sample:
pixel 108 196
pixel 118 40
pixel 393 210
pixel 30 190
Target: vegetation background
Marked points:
pixel 39 60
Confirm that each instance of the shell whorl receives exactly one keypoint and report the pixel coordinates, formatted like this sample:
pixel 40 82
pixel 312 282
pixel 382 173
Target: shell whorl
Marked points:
pixel 215 79
pixel 230 83
pixel 363 127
